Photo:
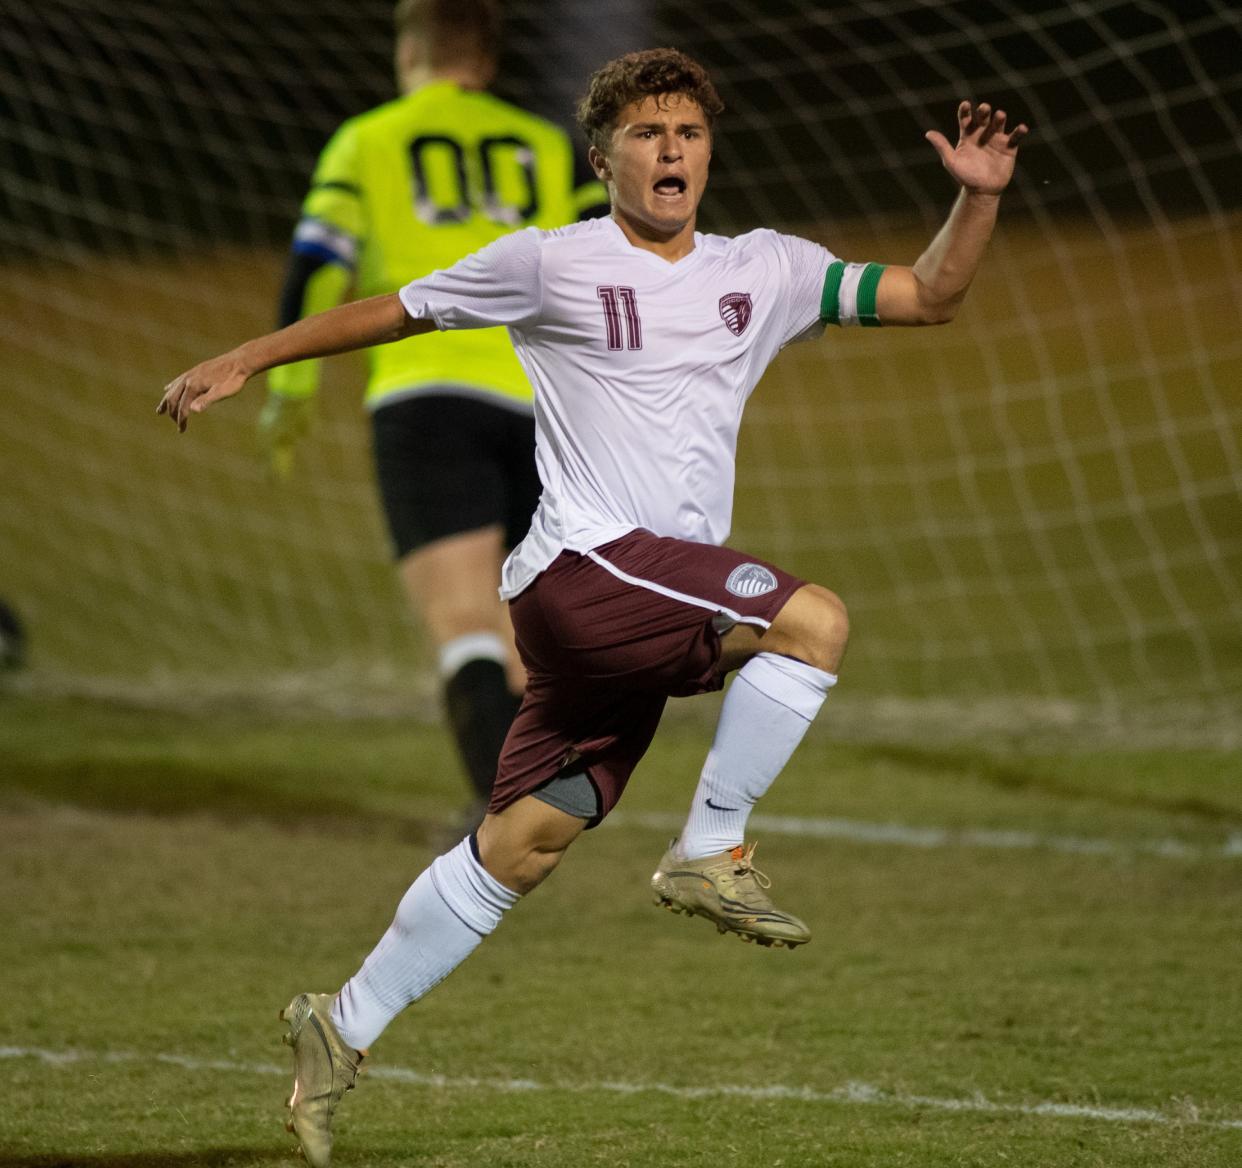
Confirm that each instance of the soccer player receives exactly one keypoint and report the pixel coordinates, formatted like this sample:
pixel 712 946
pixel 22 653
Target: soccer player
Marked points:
pixel 401 191
pixel 643 339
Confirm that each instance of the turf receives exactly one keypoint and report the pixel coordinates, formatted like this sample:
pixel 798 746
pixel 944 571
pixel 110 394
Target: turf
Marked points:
pixel 160 872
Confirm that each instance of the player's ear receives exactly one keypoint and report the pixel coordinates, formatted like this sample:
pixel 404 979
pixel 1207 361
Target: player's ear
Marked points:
pixel 599 164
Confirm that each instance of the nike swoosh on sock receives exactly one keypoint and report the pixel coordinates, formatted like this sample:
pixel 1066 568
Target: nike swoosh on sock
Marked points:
pixel 717 807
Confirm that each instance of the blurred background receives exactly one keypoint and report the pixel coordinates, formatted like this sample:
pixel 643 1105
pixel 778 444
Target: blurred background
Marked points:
pixel 1034 515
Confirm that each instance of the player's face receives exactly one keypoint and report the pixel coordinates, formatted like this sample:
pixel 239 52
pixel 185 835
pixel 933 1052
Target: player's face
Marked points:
pixel 656 165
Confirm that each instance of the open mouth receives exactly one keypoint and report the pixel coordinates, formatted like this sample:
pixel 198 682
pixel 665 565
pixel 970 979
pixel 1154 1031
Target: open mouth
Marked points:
pixel 671 186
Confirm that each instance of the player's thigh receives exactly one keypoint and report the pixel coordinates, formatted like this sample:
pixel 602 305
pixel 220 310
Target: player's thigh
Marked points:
pixel 451 583
pixel 654 609
pixel 569 726
pixel 811 626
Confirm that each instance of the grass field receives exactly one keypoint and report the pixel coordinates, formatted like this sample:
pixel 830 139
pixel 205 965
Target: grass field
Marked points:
pixel 1018 958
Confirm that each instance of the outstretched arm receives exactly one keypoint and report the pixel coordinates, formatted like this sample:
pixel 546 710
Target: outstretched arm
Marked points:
pixel 982 162
pixel 359 325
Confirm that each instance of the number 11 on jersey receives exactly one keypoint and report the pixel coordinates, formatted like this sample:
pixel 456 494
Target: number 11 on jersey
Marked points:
pixel 617 300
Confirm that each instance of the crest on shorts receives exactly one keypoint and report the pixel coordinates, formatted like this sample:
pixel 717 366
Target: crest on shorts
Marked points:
pixel 750 580
pixel 735 311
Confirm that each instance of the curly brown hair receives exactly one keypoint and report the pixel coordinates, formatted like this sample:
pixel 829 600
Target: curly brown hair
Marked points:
pixel 650 73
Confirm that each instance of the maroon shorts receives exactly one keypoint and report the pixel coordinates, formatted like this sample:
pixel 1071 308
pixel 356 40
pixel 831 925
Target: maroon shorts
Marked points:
pixel 607 636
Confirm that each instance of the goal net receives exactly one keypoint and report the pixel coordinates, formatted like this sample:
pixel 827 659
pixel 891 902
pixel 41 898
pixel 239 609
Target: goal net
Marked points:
pixel 1034 513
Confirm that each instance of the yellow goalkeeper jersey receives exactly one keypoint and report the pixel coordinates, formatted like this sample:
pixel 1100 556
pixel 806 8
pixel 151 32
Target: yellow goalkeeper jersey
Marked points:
pixel 412 187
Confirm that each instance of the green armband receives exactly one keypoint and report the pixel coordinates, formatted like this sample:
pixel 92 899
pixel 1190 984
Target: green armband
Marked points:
pixel 830 299
pixel 853 286
pixel 868 283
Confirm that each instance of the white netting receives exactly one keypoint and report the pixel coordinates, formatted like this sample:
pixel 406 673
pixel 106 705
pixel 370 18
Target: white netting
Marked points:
pixel 1038 503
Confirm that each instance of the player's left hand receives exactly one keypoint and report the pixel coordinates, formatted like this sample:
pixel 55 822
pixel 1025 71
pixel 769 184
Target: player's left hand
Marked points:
pixel 983 159
pixel 196 389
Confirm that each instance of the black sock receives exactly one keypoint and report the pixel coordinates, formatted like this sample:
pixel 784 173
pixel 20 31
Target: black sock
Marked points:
pixel 480 709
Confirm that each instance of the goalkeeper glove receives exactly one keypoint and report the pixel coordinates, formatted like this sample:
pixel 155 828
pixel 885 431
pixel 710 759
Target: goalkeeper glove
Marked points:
pixel 282 422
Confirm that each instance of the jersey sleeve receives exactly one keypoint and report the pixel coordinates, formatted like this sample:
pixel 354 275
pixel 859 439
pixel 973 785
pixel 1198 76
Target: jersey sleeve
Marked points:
pixel 804 263
pixel 333 223
pixel 324 255
pixel 499 284
pixel 825 290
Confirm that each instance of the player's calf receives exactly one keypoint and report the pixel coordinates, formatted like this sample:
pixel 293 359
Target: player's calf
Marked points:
pixel 521 845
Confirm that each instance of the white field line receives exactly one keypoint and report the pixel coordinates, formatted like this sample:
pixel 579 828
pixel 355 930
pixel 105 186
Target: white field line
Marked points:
pixel 849 1094
pixel 910 836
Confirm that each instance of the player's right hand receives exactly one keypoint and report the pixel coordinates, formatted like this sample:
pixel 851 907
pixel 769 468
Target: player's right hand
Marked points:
pixel 282 423
pixel 195 389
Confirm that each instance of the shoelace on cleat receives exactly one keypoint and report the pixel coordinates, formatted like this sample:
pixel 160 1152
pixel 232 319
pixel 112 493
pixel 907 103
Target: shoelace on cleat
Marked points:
pixel 744 865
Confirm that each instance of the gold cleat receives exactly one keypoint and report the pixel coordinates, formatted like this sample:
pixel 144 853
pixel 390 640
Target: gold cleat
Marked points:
pixel 324 1068
pixel 730 892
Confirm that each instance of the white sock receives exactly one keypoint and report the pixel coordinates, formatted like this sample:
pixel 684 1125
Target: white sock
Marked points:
pixel 440 921
pixel 765 714
pixel 468 647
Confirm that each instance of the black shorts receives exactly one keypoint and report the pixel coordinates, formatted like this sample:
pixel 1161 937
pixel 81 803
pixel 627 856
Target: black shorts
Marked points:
pixel 448 463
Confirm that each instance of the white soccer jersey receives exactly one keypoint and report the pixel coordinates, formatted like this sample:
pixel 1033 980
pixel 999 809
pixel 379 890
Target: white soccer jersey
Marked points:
pixel 641 367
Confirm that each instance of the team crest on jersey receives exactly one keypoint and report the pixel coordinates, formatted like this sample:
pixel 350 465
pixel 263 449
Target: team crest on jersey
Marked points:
pixel 750 580
pixel 735 311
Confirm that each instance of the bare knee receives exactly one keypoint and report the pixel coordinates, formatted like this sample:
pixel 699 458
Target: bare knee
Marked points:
pixel 836 616
pixel 449 615
pixel 814 627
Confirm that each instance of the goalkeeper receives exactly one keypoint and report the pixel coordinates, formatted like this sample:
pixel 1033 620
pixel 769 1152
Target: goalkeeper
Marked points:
pixel 401 191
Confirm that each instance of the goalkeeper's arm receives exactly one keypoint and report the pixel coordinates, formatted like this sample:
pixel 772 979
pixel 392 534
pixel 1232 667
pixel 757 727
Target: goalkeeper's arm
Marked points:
pixel 359 325
pixel 313 283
